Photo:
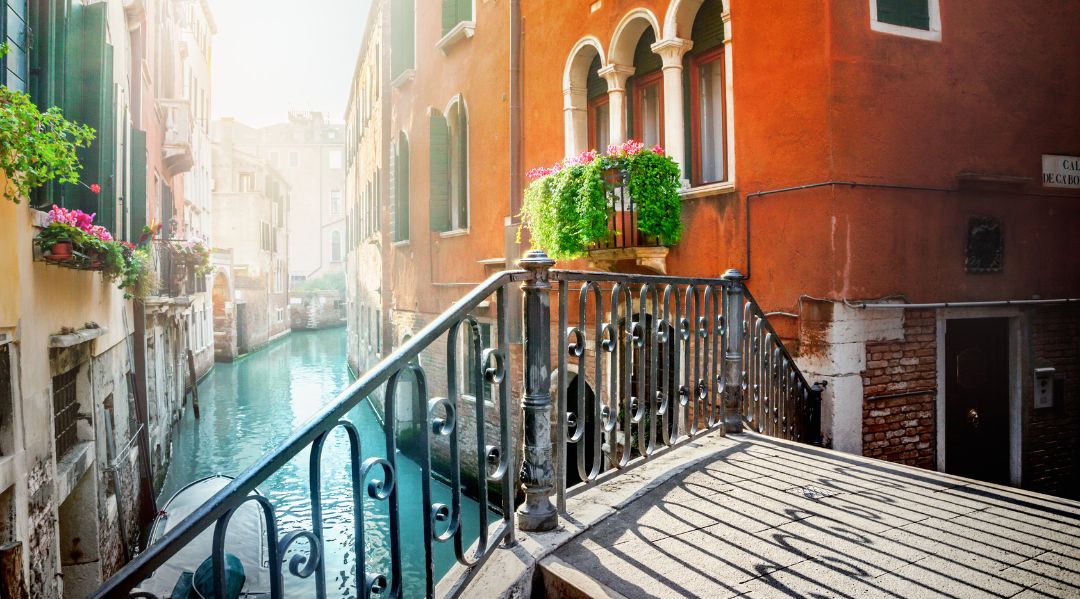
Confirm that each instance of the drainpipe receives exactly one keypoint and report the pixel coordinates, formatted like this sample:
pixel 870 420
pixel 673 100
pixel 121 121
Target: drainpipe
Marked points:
pixel 511 245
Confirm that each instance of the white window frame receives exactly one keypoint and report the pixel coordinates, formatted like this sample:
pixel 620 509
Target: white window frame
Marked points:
pixel 931 35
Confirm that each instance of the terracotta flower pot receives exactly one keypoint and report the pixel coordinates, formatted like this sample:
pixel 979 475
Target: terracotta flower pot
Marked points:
pixel 59 252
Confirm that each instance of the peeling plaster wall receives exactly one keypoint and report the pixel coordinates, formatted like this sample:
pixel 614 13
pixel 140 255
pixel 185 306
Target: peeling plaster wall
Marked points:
pixel 832 344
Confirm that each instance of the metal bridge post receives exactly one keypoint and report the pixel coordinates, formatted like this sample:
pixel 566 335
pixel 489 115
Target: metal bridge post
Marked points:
pixel 733 358
pixel 538 468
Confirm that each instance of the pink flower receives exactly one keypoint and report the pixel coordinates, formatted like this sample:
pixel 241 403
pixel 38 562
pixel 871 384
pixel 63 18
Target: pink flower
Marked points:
pixel 95 188
pixel 658 150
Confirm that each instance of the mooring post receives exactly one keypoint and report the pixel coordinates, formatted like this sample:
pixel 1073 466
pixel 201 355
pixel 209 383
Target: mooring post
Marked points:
pixel 538 467
pixel 733 366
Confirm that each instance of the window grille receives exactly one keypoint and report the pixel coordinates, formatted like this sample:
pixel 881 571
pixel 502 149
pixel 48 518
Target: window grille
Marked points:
pixel 65 411
pixel 5 392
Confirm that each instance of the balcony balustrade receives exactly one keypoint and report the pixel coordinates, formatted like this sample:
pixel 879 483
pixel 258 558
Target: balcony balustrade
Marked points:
pixel 177 154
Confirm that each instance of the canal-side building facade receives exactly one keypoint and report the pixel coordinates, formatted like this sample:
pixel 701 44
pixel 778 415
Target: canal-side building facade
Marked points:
pixel 170 136
pixel 250 205
pixel 81 440
pixel 839 156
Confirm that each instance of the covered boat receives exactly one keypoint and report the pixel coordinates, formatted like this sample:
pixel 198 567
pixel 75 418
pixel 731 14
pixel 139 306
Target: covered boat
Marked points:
pixel 245 539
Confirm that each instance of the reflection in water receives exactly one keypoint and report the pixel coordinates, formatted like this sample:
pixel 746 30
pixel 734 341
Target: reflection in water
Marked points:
pixel 250 406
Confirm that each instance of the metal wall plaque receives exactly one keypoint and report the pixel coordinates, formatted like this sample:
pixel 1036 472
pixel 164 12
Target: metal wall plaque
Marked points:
pixel 985 248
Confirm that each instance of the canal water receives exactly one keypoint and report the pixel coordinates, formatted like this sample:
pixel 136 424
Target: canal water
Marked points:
pixel 249 406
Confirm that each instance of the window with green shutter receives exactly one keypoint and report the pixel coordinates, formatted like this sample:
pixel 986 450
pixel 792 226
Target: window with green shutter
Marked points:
pixel 402 37
pixel 905 13
pixel 88 99
pixel 399 184
pixel 454 12
pixel 15 33
pixel 439 176
pixel 139 180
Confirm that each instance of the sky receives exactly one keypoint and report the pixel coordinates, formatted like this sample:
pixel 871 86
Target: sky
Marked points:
pixel 273 56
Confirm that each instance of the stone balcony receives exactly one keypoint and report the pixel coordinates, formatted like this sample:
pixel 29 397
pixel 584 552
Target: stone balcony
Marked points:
pixel 177 153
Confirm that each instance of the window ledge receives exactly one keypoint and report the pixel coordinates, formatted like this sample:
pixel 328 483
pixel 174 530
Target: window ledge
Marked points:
pixel 406 76
pixel 461 31
pixel 711 189
pixel 454 233
pixel 929 35
pixel 76 337
pixel 401 243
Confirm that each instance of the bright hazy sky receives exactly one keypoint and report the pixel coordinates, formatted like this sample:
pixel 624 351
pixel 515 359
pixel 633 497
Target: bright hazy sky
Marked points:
pixel 273 56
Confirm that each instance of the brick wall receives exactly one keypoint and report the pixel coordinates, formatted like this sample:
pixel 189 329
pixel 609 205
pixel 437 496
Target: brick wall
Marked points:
pixel 902 429
pixel 1051 464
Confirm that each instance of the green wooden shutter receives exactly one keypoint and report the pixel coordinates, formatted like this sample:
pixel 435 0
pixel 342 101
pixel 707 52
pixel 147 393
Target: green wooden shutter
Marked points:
pixel 88 91
pixel 392 186
pixel 402 37
pixel 595 84
pixel 439 202
pixel 449 15
pixel 464 10
pixel 907 13
pixel 139 180
pixel 645 60
pixel 462 141
pixel 708 30
pixel 402 197
pixel 13 26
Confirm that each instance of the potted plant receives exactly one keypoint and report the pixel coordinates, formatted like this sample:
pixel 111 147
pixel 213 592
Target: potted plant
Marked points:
pixel 57 241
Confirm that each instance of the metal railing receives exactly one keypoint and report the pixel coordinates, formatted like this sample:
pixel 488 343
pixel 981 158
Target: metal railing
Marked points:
pixel 622 217
pixel 177 277
pixel 642 364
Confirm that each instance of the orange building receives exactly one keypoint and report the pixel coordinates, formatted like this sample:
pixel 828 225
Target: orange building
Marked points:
pixel 892 177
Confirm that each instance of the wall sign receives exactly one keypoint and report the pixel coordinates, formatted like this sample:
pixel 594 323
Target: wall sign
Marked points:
pixel 1061 171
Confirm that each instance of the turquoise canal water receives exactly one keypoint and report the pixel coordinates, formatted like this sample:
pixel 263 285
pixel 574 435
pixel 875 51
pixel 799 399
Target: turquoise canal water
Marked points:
pixel 249 406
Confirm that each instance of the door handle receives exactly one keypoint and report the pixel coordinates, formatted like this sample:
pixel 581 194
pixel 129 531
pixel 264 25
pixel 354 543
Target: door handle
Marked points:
pixel 973 417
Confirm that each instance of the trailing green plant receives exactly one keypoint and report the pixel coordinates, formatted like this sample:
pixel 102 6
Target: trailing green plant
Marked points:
pixel 566 207
pixel 36 147
pixel 653 181
pixel 140 279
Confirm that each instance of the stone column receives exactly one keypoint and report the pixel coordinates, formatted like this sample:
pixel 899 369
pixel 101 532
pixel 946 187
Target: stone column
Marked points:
pixel 576 115
pixel 616 76
pixel 672 51
pixel 538 468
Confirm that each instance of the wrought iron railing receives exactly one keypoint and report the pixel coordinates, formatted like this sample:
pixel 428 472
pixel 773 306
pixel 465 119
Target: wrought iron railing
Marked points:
pixel 374 477
pixel 177 277
pixel 647 363
pixel 640 364
pixel 622 216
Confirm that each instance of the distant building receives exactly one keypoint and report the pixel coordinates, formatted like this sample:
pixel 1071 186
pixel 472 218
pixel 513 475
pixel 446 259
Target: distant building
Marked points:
pixel 251 204
pixel 309 154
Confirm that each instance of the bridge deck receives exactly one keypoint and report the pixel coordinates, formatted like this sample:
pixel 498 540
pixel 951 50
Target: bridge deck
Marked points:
pixel 757 517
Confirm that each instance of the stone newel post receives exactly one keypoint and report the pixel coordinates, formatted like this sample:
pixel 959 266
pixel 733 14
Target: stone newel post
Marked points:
pixel 733 315
pixel 538 469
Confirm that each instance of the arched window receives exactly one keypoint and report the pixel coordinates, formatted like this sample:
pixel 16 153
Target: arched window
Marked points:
pixel 646 89
pixel 707 104
pixel 599 109
pixel 335 246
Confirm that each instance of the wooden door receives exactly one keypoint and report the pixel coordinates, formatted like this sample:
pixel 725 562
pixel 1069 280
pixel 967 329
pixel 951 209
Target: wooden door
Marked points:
pixel 977 398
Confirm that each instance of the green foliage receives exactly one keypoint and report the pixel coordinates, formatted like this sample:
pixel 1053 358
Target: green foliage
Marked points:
pixel 58 232
pixel 567 207
pixel 567 211
pixel 653 181
pixel 331 281
pixel 36 147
